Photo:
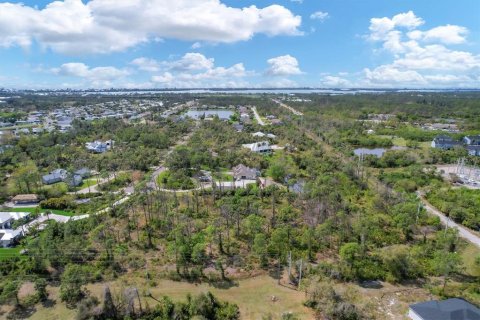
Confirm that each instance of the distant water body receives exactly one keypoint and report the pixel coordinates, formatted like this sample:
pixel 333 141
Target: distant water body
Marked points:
pixel 244 91
pixel 378 152
pixel 197 114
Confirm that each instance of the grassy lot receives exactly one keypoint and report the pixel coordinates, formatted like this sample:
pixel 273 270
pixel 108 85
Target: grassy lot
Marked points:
pixel 6 253
pixel 425 145
pixel 400 142
pixel 469 255
pixel 59 212
pixel 253 296
pixel 397 141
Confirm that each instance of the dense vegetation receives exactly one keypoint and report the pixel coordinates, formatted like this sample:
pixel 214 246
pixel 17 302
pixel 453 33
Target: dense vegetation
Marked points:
pixel 461 205
pixel 353 220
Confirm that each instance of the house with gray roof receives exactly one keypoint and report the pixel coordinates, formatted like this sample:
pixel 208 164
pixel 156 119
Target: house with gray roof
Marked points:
pixel 262 147
pixel 242 172
pixel 83 172
pixel 445 142
pixel 61 175
pixel 57 175
pixel 99 146
pixel 73 180
pixel 472 140
pixel 474 150
pixel 450 309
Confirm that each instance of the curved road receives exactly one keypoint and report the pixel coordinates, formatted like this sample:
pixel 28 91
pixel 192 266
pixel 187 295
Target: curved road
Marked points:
pixel 462 231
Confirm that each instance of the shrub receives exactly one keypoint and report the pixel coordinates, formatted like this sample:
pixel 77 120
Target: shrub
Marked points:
pixel 62 203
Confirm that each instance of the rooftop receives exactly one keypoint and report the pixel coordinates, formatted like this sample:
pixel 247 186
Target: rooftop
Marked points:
pixel 450 309
pixel 25 197
pixel 5 216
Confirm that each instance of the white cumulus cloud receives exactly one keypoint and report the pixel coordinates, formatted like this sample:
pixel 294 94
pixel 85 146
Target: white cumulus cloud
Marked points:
pixel 380 27
pixel 81 70
pixel 448 34
pixel 196 70
pixel 103 26
pixel 421 57
pixel 146 64
pixel 283 66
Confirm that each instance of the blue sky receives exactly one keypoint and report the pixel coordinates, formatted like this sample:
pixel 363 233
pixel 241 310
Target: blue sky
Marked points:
pixel 239 43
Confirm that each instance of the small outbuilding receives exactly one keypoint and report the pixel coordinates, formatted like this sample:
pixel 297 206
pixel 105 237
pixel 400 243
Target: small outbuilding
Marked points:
pixel 25 199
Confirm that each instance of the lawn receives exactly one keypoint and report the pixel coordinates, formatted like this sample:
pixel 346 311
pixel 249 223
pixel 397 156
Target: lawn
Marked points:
pixel 87 183
pixel 6 253
pixel 31 210
pixel 223 176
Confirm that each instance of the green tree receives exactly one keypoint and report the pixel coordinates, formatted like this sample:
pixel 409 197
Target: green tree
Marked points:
pixel 9 292
pixel 446 263
pixel 399 263
pixel 41 289
pixel 72 280
pixel 260 248
pixel 350 252
pixel 253 225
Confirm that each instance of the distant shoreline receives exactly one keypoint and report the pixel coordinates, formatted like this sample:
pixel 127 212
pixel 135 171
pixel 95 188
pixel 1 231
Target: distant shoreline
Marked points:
pixel 332 91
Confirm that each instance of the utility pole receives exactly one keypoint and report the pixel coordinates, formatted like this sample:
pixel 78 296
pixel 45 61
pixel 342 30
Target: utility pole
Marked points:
pixel 289 264
pixel 446 226
pixel 278 268
pixel 418 212
pixel 147 276
pixel 300 276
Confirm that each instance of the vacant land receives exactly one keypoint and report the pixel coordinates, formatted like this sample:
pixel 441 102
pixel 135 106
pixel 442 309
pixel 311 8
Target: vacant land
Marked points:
pixel 257 297
pixel 253 296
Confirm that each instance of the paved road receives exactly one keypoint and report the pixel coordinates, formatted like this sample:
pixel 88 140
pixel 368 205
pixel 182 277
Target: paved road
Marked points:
pixel 462 231
pixel 295 112
pixel 153 181
pixel 257 116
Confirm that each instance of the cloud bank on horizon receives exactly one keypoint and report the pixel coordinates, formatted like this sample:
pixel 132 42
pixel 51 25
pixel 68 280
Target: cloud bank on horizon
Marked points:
pixel 213 43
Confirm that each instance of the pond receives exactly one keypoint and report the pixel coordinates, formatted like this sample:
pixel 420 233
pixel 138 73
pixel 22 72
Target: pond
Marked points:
pixel 209 113
pixel 378 152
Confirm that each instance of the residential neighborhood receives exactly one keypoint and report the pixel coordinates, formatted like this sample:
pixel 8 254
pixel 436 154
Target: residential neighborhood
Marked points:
pixel 470 143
